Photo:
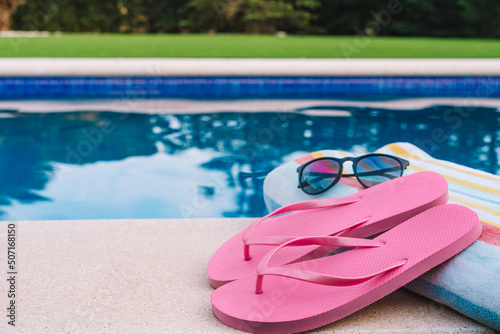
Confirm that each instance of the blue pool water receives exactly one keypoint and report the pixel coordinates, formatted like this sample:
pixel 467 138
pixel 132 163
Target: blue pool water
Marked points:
pixel 79 165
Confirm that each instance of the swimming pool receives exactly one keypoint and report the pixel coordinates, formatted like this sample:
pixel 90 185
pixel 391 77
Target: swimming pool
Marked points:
pixel 97 164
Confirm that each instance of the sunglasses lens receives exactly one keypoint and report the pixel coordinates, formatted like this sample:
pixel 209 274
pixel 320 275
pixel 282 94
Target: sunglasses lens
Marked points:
pixel 319 175
pixel 376 169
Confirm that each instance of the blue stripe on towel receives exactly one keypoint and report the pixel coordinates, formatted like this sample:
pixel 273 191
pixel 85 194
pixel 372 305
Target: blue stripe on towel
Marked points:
pixel 460 304
pixel 467 192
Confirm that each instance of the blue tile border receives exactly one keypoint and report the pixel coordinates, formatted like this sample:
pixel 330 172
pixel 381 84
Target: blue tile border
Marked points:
pixel 245 87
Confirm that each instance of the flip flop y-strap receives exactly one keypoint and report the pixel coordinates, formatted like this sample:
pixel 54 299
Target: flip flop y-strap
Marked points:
pixel 314 277
pixel 248 239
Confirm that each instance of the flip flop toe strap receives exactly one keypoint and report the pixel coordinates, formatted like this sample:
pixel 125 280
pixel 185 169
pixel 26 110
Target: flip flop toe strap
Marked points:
pixel 314 277
pixel 248 239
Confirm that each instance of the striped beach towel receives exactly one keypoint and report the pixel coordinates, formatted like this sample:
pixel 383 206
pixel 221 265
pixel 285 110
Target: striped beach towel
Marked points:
pixel 470 281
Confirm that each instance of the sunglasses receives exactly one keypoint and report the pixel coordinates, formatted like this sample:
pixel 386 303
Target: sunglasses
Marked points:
pixel 319 175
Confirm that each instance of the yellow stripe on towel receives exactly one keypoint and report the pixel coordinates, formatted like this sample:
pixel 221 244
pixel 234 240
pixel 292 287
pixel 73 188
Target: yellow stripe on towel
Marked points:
pixel 401 151
pixel 476 206
pixel 461 182
pixel 317 155
pixel 489 222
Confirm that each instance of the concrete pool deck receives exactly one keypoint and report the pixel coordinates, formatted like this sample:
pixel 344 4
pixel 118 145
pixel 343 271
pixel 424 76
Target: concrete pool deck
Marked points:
pixel 245 67
pixel 148 276
pixel 330 107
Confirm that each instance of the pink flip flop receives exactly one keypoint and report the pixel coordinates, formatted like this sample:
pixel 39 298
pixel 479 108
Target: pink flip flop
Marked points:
pixel 307 295
pixel 363 214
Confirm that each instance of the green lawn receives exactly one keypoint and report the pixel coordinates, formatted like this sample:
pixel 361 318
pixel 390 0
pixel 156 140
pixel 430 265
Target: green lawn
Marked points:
pixel 246 46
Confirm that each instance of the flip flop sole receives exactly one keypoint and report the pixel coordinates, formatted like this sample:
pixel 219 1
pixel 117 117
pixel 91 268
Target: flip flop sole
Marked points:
pixel 386 204
pixel 290 306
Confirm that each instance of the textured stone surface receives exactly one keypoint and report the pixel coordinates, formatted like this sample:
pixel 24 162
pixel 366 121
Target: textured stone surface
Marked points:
pixel 117 67
pixel 148 276
pixel 168 106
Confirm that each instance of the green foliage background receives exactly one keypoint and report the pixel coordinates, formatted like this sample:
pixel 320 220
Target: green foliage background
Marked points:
pixel 443 18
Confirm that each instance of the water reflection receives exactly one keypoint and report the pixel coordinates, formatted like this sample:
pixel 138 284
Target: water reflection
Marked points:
pixel 113 165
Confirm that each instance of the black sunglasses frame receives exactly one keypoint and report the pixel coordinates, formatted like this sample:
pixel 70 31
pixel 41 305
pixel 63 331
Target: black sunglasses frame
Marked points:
pixel 404 164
